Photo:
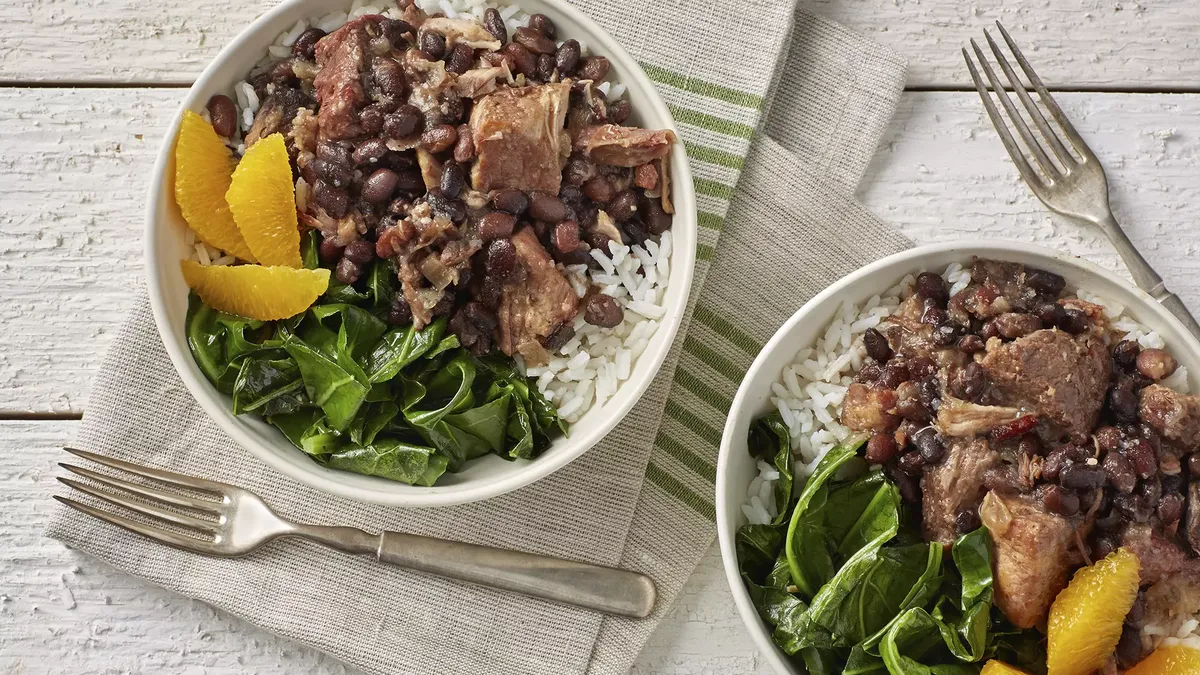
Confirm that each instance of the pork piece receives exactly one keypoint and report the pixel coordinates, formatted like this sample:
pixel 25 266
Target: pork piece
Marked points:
pixel 519 138
pixel 623 146
pixel 1171 602
pixel 953 486
pixel 960 418
pixel 1173 415
pixel 461 31
pixel 870 408
pixel 1160 557
pixel 341 56
pixel 477 82
pixel 277 114
pixel 1033 553
pixel 1063 378
pixel 533 308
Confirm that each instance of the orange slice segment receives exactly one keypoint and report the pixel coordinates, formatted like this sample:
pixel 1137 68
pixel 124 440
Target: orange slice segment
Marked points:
pixel 254 291
pixel 262 197
pixel 994 667
pixel 1173 660
pixel 1086 617
pixel 203 168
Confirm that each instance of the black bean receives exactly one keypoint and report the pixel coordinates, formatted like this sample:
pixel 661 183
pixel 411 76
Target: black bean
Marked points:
pixel 379 186
pixel 1170 508
pixel 335 201
pixel 446 207
pixel 1051 314
pixel 908 404
pixel 1029 445
pixel 333 151
pixel 533 40
pixel 870 373
pixel 971 343
pixel 523 61
pixel 930 444
pixel 542 24
pixel 1108 439
pixel 921 367
pixel 1013 325
pixel 1123 403
pixel 453 179
pixel 1172 483
pixel 501 259
pixel 910 489
pixel 881 448
pixel 1141 453
pixel 594 68
pixel 623 206
pixel 461 58
pixel 1055 461
pixel 410 181
pixel 404 122
pixel 1082 477
pixel 911 463
pixel 546 207
pixel 370 151
pixel 281 74
pixel 599 189
pixel 601 310
pixel 989 330
pixel 510 200
pixel 972 382
pixel 223 115
pixel 1119 471
pixel 433 44
pixel 390 77
pixel 619 112
pixel 329 251
pixel 305 46
pixel 1125 354
pixel 877 345
pixel 360 252
pixel 894 373
pixel 1076 321
pixel 1045 283
pixel 496 225
pixel 439 138
pixel 347 271
pixel 933 315
pixel 545 67
pixel 494 24
pixel 395 30
pixel 464 147
pixel 1194 464
pixel 400 313
pixel 560 337
pixel 1059 500
pixel 566 58
pixel 931 286
pixel 337 175
pixel 1156 364
pixel 930 394
pixel 654 217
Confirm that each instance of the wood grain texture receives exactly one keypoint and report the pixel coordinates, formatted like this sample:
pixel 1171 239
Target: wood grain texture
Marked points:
pixel 64 612
pixel 1073 43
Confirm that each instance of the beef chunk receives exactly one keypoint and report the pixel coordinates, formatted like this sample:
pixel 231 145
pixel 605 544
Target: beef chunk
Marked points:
pixel 1173 415
pixel 519 138
pixel 1160 557
pixel 953 486
pixel 623 146
pixel 1032 555
pixel 341 56
pixel 1063 378
pixel 533 308
pixel 956 417
pixel 870 408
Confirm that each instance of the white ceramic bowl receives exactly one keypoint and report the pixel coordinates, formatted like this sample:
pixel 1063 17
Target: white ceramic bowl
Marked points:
pixel 736 469
pixel 488 476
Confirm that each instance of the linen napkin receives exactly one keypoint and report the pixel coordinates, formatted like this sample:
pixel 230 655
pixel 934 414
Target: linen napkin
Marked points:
pixel 643 497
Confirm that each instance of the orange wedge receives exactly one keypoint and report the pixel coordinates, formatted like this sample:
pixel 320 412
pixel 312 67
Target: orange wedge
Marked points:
pixel 263 200
pixel 254 291
pixel 203 167
pixel 1086 617
pixel 994 667
pixel 1172 660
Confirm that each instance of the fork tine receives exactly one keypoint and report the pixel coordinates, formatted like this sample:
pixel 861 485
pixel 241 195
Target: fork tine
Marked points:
pixel 144 490
pixel 165 536
pixel 205 526
pixel 1031 177
pixel 1034 111
pixel 147 472
pixel 1047 99
pixel 1014 115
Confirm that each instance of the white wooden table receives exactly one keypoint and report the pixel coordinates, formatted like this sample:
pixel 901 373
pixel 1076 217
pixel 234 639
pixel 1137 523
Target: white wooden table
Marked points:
pixel 87 87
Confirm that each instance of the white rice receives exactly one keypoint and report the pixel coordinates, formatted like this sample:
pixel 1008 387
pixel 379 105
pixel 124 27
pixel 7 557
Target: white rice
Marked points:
pixel 810 392
pixel 588 369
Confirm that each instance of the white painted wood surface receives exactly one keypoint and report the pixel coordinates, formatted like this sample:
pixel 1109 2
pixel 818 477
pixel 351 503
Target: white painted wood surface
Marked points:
pixel 73 171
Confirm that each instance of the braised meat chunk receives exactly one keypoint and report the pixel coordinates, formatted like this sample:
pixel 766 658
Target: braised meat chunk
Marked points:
pixel 1032 555
pixel 1161 557
pixel 1064 378
pixel 1176 416
pixel 519 139
pixel 533 308
pixel 623 146
pixel 870 408
pixel 954 486
pixel 341 56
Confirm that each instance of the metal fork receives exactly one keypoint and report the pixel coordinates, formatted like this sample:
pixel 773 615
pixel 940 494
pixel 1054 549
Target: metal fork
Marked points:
pixel 1074 186
pixel 229 521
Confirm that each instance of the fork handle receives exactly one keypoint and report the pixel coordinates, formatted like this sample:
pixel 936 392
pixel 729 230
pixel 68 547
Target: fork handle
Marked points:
pixel 605 589
pixel 1144 275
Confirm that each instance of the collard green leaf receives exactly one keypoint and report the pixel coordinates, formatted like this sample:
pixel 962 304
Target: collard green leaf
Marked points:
pixel 799 524
pixel 219 342
pixel 310 243
pixel 771 441
pixel 372 419
pixel 268 387
pixel 488 422
pixel 880 519
pixel 294 424
pixel 808 549
pixel 848 501
pixel 821 661
pixel 862 662
pixel 926 588
pixel 913 646
pixel 449 391
pixel 400 347
pixel 392 459
pixel 868 591
pixel 758 547
pixel 328 385
pixel 381 283
pixel 453 443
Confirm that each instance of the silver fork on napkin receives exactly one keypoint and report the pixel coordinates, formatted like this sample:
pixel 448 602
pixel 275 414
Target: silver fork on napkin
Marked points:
pixel 229 521
pixel 1072 184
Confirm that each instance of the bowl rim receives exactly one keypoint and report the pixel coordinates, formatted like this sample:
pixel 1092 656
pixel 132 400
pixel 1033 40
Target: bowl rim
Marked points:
pixel 398 494
pixel 983 247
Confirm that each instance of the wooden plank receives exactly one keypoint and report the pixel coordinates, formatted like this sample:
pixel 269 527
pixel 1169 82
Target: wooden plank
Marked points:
pixel 75 168
pixel 1073 43
pixel 64 612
